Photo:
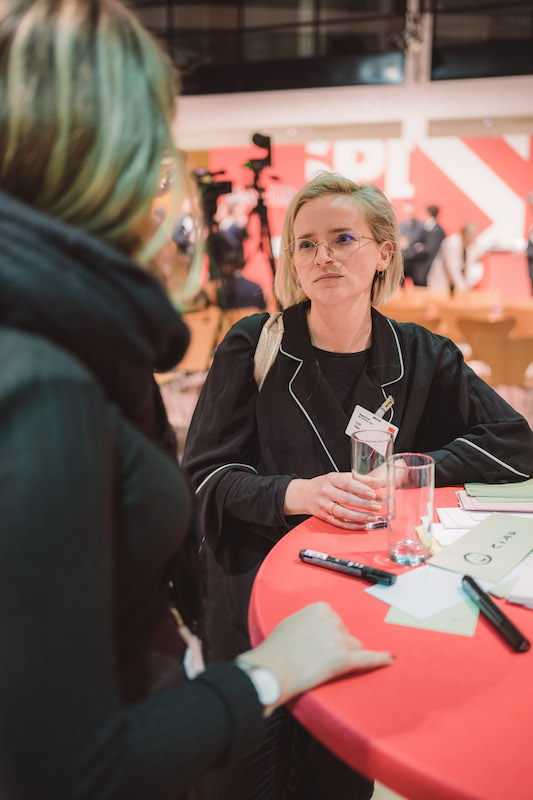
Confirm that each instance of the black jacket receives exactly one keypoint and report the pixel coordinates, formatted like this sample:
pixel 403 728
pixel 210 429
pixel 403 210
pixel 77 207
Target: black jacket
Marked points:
pixel 244 447
pixel 93 508
pixel 422 260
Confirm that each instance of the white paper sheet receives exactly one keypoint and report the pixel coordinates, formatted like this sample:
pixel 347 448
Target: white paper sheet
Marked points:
pixel 422 592
pixel 522 591
pixel 446 536
pixel 458 518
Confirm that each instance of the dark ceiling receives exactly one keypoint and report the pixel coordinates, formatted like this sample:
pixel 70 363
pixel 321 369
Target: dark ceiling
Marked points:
pixel 255 45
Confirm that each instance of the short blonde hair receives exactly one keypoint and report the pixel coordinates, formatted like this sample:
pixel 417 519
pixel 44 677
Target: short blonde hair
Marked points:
pixel 379 216
pixel 87 99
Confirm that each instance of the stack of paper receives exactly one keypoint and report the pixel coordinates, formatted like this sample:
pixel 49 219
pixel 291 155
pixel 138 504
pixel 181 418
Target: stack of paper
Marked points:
pixel 497 497
pixel 522 591
pixel 497 552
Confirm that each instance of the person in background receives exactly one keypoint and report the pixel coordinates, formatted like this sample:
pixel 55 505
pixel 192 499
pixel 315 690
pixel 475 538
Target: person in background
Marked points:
pixel 184 230
pixel 235 291
pixel 410 232
pixel 457 264
pixel 231 289
pixel 232 222
pixel 97 695
pixel 426 247
pixel 265 453
pixel 529 249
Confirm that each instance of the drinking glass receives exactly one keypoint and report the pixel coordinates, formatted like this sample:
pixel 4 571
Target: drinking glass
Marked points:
pixel 370 451
pixel 411 481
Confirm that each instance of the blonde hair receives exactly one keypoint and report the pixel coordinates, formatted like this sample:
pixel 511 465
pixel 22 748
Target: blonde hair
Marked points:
pixel 87 99
pixel 379 216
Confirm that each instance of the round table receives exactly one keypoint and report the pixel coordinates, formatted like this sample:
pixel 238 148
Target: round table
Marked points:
pixel 451 719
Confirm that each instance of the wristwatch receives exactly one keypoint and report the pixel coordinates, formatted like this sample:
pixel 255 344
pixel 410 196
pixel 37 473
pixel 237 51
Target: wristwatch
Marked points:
pixel 265 682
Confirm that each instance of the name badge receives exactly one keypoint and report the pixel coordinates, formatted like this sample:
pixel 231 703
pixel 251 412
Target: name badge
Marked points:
pixel 364 420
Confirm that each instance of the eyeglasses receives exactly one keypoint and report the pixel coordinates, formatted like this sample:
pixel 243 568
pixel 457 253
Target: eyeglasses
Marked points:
pixel 341 246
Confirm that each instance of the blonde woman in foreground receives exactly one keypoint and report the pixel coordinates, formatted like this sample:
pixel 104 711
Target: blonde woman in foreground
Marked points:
pixel 95 701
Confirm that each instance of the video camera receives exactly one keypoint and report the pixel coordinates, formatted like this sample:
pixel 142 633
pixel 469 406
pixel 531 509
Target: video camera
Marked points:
pixel 210 191
pixel 257 164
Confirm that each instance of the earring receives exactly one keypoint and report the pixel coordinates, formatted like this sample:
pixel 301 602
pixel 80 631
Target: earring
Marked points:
pixel 380 273
pixel 299 282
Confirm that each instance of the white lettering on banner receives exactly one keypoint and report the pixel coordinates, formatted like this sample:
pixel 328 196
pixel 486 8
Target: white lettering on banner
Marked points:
pixel 312 166
pixel 397 183
pixel 317 150
pixel 479 183
pixel 363 160
pixel 319 147
pixel 279 195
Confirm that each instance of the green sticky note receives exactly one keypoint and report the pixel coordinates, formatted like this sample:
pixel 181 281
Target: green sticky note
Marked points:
pixel 509 491
pixel 460 619
pixel 489 550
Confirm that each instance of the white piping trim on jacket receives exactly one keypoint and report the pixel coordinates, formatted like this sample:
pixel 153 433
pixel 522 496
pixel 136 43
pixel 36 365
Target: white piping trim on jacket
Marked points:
pixel 224 466
pixel 499 461
pixel 399 356
pixel 295 358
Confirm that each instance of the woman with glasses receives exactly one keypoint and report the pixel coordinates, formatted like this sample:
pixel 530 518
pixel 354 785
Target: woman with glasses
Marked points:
pixel 262 458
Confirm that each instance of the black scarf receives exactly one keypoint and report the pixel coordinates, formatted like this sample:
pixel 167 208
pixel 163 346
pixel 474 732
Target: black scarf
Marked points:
pixel 82 294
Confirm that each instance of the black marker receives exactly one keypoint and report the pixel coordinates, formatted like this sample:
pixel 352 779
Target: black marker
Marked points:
pixel 348 567
pixel 495 615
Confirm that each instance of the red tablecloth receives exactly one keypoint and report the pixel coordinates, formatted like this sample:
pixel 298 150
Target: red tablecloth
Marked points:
pixel 452 719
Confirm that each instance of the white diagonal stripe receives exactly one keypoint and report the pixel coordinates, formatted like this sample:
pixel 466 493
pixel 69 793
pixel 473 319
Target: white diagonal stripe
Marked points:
pixel 478 182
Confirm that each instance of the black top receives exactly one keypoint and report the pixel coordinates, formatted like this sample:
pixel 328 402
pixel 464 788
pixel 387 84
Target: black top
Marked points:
pixel 239 292
pixel 92 508
pixel 342 371
pixel 430 240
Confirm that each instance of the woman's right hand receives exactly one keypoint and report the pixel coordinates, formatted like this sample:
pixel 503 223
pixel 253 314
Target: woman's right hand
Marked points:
pixel 311 647
pixel 332 497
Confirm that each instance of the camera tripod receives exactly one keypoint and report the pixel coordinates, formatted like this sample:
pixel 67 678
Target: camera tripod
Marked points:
pixel 265 241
